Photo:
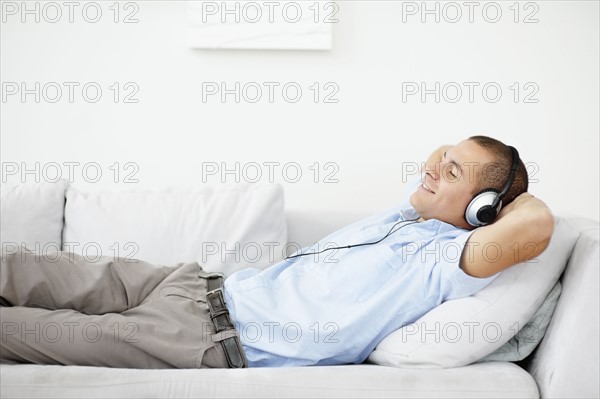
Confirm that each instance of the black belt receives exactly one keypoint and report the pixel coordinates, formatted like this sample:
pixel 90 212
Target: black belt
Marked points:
pixel 219 315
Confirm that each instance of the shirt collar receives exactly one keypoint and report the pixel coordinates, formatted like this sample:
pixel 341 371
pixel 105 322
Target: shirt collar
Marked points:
pixel 435 224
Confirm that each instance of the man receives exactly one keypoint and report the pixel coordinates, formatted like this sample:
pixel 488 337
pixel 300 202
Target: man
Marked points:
pixel 314 308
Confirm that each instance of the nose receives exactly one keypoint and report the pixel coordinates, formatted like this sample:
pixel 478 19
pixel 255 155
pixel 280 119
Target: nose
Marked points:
pixel 433 170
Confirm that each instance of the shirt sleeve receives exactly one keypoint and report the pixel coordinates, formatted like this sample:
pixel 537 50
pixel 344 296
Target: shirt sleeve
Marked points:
pixel 455 283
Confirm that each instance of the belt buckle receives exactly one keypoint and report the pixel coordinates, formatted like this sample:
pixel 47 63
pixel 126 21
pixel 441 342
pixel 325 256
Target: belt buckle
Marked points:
pixel 219 313
pixel 215 301
pixel 214 284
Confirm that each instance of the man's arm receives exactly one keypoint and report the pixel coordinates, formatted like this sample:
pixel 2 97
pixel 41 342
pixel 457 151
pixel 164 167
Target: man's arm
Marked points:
pixel 521 232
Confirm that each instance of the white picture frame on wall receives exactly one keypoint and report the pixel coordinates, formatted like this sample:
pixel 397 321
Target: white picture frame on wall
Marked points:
pixel 272 25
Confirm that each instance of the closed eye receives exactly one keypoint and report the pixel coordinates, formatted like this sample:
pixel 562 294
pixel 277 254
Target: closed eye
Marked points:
pixel 455 168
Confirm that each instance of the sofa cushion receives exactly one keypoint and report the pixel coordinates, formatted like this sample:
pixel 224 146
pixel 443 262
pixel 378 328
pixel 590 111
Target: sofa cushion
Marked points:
pixel 31 215
pixel 223 228
pixel 462 331
pixel 482 380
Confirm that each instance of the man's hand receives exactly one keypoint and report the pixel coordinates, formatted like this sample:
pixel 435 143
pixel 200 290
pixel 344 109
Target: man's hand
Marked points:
pixel 521 232
pixel 517 203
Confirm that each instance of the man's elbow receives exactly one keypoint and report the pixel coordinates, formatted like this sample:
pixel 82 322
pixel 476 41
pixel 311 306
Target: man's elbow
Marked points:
pixel 542 222
pixel 545 223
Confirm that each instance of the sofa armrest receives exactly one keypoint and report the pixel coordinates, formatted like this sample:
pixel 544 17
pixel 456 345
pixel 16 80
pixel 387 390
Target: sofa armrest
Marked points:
pixel 566 362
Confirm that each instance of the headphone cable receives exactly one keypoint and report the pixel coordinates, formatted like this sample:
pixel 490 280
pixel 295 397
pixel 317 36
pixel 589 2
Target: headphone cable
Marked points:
pixel 412 221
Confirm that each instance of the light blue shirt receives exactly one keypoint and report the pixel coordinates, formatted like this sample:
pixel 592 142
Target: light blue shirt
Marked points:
pixel 335 307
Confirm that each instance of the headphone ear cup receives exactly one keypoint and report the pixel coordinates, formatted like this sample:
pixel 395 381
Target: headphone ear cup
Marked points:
pixel 479 212
pixel 486 214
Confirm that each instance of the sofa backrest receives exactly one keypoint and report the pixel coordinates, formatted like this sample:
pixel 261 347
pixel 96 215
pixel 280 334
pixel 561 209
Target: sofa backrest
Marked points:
pixel 223 228
pixel 566 363
pixel 307 227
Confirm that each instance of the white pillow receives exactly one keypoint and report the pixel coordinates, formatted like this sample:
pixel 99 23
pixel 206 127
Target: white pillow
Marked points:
pixel 31 215
pixel 530 335
pixel 224 228
pixel 462 331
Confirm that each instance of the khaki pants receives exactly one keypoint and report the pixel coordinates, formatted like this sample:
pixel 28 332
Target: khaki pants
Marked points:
pixel 63 309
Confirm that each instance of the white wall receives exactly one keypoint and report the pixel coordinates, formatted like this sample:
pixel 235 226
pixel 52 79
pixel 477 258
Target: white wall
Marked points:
pixel 368 134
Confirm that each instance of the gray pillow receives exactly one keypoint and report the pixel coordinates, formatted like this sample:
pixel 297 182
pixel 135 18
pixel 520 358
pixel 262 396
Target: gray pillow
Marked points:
pixel 527 338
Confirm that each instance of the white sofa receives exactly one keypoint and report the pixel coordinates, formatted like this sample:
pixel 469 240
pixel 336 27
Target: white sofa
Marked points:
pixel 565 364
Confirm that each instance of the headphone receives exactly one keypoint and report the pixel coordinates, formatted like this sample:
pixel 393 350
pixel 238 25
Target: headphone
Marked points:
pixel 486 204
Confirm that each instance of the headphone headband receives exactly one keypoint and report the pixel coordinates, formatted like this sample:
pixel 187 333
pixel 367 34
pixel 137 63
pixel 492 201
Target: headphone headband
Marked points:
pixel 511 176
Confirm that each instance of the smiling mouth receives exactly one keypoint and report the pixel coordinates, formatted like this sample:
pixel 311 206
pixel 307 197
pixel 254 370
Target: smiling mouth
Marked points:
pixel 426 187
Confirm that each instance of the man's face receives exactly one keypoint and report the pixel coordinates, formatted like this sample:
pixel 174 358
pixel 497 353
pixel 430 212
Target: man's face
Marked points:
pixel 448 186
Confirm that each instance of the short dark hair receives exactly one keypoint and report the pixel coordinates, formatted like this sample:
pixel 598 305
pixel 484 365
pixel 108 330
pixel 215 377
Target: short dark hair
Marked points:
pixel 495 175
